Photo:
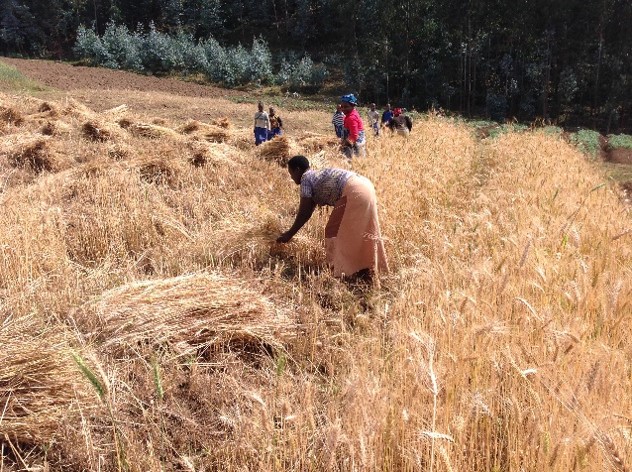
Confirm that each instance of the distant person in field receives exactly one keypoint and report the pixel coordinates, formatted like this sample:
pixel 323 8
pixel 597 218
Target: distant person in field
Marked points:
pixel 354 141
pixel 338 121
pixel 374 119
pixel 353 241
pixel 387 116
pixel 401 124
pixel 262 125
pixel 276 123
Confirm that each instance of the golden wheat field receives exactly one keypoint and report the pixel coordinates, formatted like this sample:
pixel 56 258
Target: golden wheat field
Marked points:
pixel 149 321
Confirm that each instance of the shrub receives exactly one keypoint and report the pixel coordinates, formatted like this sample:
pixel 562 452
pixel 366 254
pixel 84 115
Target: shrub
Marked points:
pixel 618 141
pixel 123 47
pixel 89 47
pixel 260 62
pixel 302 74
pixel 159 52
pixel 587 141
pixel 192 55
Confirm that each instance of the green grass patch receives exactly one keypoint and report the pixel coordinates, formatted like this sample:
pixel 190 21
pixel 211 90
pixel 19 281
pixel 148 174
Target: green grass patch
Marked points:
pixel 618 141
pixel 12 79
pixel 587 141
pixel 620 173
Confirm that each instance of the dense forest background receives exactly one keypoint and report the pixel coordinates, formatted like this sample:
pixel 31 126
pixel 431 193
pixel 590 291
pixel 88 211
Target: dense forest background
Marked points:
pixel 565 61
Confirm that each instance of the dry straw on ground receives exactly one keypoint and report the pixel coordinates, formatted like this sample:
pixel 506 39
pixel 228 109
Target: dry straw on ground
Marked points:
pixel 187 312
pixel 11 115
pixel 39 381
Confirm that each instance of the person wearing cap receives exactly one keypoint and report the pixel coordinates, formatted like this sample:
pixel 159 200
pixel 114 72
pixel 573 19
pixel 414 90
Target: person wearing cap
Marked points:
pixel 353 143
pixel 262 125
pixel 353 242
pixel 401 124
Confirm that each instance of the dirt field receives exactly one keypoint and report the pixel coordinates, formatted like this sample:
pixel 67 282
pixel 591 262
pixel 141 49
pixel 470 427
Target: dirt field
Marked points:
pixel 167 98
pixel 69 78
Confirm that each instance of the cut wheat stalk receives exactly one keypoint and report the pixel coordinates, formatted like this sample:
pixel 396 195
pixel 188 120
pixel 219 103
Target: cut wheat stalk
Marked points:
pixel 185 312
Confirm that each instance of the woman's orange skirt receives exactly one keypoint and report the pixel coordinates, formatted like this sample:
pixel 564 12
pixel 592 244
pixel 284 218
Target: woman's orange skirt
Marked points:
pixel 353 241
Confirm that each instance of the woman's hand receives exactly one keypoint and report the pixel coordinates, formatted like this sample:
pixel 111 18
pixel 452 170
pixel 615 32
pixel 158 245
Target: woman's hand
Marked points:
pixel 285 237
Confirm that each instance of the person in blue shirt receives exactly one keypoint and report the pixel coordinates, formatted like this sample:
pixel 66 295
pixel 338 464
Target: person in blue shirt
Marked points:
pixel 387 116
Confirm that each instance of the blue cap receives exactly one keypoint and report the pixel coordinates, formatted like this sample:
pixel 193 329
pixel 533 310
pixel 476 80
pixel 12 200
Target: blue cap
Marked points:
pixel 349 98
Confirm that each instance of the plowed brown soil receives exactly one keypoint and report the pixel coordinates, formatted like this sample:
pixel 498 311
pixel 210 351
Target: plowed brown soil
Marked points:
pixel 100 89
pixel 67 77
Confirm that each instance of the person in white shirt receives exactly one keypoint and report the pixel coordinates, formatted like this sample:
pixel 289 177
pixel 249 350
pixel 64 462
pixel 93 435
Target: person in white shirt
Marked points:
pixel 374 119
pixel 262 125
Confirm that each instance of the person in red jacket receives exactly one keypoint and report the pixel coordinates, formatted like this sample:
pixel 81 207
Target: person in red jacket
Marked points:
pixel 354 140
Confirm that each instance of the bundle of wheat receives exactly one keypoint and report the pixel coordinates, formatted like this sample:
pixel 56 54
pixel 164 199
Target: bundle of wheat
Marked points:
pixel 77 110
pixel 189 127
pixel 30 151
pixel 11 115
pixel 279 150
pixel 211 133
pixel 186 312
pixel 99 130
pixel 124 122
pixel 39 381
pixel 116 111
pixel 254 241
pixel 145 130
pixel 222 122
pixel 119 151
pixel 203 153
pixel 55 128
pixel 241 138
pixel 158 170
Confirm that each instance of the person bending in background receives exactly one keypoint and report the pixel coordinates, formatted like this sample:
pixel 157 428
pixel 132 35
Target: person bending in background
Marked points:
pixel 401 124
pixel 353 241
pixel 276 123
pixel 262 125
pixel 354 141
pixel 338 120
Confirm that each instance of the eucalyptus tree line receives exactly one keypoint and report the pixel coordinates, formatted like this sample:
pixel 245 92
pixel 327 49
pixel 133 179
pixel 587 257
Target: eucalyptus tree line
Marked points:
pixel 556 60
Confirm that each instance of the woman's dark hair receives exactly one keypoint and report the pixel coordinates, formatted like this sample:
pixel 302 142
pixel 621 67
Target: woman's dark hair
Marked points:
pixel 298 162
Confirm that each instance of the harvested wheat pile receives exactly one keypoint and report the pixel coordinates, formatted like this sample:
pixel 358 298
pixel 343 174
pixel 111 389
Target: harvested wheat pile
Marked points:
pixel 99 130
pixel 11 115
pixel 279 150
pixel 145 130
pixel 119 151
pixel 189 127
pixel 186 312
pixel 222 122
pixel 77 110
pixel 255 242
pixel 242 138
pixel 116 111
pixel 55 128
pixel 211 133
pixel 158 170
pixel 215 154
pixel 39 381
pixel 31 151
